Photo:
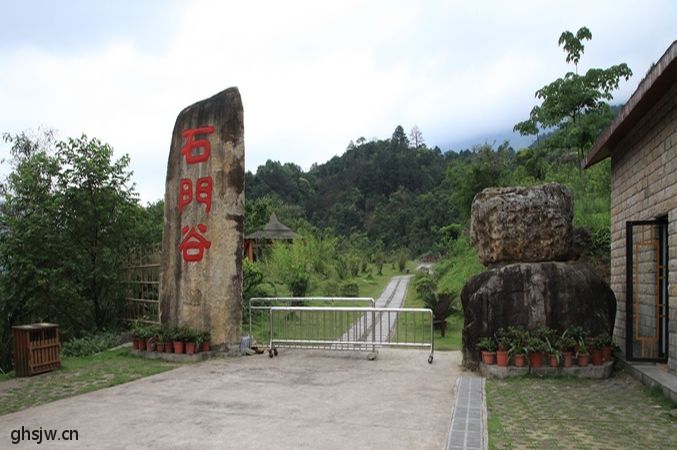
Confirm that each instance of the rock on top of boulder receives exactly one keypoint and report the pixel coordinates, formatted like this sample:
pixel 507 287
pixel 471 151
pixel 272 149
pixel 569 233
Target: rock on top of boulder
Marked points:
pixel 522 224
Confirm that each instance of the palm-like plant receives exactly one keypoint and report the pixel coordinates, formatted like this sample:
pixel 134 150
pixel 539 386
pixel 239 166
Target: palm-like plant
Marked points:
pixel 442 306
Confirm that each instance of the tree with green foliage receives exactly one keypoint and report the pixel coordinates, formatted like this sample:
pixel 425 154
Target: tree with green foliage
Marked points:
pixel 68 219
pixel 483 168
pixel 575 104
pixel 399 138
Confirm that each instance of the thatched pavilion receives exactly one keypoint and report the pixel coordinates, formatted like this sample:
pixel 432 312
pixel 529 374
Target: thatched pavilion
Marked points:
pixel 274 230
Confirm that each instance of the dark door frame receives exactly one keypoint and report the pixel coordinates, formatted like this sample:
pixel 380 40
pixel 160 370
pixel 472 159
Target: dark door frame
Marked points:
pixel 663 298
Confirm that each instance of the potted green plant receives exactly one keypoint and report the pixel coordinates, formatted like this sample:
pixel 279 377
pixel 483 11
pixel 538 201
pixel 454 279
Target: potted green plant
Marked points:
pixel 178 342
pixel 202 341
pixel 189 337
pixel 169 334
pixel 554 355
pixel 153 332
pixel 488 348
pixel 518 344
pixel 163 339
pixel 583 355
pixel 579 334
pixel 565 345
pixel 536 347
pixel 138 343
pixel 502 347
pixel 606 344
pixel 596 352
pixel 145 334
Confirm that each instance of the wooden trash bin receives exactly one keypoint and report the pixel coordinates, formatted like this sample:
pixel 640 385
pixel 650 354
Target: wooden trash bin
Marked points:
pixel 36 348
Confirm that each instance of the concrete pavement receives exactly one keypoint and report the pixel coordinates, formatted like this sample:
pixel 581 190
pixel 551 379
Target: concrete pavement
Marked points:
pixel 302 399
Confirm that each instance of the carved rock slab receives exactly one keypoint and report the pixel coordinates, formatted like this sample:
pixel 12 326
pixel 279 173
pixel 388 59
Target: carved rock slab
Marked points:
pixel 201 283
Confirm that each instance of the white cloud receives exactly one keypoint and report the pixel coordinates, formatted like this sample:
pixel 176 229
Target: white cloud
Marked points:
pixel 314 75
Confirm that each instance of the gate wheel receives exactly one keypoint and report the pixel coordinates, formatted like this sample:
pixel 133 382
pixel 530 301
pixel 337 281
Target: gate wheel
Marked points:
pixel 430 359
pixel 270 352
pixel 275 351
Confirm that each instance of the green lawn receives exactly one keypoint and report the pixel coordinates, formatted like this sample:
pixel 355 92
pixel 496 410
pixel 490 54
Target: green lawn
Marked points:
pixel 370 285
pixel 76 376
pixel 452 335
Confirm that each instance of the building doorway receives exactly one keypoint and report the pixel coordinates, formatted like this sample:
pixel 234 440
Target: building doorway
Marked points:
pixel 647 290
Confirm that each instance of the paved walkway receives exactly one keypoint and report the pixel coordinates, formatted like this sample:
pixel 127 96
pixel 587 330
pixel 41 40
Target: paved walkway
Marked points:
pixel 392 297
pixel 301 399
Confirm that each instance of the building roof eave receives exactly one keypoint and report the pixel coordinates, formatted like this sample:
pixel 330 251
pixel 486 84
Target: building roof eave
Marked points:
pixel 659 80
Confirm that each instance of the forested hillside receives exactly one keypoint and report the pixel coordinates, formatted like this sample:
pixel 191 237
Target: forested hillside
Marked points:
pixel 401 196
pixel 389 190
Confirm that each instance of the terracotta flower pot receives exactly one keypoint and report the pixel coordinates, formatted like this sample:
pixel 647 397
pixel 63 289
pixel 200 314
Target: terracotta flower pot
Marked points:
pixel 160 347
pixel 583 359
pixel 178 347
pixel 149 345
pixel 536 359
pixel 596 357
pixel 568 359
pixel 520 360
pixel 190 348
pixel 141 345
pixel 607 353
pixel 553 361
pixel 489 358
pixel 169 347
pixel 502 358
pixel 205 346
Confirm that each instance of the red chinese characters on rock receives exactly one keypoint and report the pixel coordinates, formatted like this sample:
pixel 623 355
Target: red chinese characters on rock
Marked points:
pixel 194 242
pixel 203 192
pixel 189 149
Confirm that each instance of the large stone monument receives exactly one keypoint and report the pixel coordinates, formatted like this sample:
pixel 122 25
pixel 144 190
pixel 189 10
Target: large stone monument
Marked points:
pixel 202 244
pixel 524 236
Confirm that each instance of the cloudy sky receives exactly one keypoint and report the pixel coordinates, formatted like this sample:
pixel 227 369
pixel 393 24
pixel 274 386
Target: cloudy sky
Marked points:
pixel 313 74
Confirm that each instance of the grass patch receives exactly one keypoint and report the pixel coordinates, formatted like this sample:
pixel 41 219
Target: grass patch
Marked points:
pixel 76 376
pixel 370 285
pixel 452 335
pixel 618 413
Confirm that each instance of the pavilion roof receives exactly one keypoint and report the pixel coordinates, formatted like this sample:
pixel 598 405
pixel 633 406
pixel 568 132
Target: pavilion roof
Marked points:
pixel 274 229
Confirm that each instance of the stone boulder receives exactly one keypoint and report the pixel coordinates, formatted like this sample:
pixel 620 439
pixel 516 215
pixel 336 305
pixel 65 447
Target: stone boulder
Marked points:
pixel 555 294
pixel 526 224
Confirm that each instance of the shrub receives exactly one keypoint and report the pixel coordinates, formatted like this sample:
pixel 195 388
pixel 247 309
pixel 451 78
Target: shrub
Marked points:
pixel 331 289
pixel 299 282
pixel 341 267
pixel 379 259
pixel 401 260
pixel 91 344
pixel 350 290
pixel 354 263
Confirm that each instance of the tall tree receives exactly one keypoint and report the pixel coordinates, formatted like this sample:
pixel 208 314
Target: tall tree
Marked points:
pixel 68 219
pixel 99 206
pixel 576 104
pixel 416 137
pixel 399 138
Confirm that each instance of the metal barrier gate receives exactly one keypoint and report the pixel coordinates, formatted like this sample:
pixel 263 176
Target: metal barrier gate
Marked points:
pixel 349 328
pixel 265 303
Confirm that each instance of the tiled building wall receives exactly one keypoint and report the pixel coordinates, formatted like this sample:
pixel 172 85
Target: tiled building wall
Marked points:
pixel 644 187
